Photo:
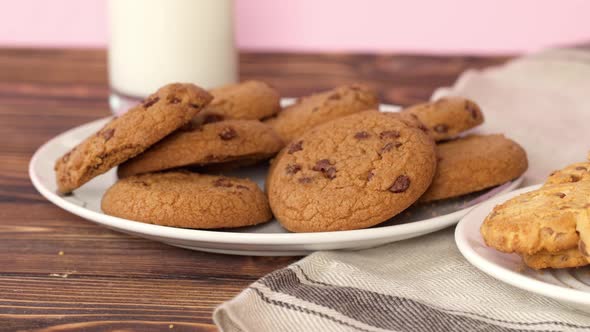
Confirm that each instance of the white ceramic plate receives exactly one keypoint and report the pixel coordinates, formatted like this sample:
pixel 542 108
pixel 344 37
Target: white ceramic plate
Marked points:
pixel 569 286
pixel 269 239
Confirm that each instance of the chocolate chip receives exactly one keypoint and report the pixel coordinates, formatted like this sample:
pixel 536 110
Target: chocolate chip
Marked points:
pixel 107 134
pixel 330 173
pixel 334 96
pixel 582 247
pixel 322 165
pixel 325 166
pixel 547 230
pixel 228 133
pixel 361 135
pixel 370 175
pixel 305 179
pixel 195 105
pixel 471 108
pixel 581 168
pixel 423 127
pixel 191 126
pixel 211 118
pixel 174 100
pixel 560 195
pixel 223 182
pixel 575 178
pixel 150 102
pixel 389 134
pixel 293 169
pixel 389 146
pixel 401 184
pixel 297 146
pixel 66 156
pixel 441 128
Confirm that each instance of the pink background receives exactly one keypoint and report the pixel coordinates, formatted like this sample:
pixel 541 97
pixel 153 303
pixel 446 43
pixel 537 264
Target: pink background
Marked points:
pixel 450 26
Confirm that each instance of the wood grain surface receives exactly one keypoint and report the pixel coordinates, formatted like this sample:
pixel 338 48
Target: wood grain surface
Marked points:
pixel 61 273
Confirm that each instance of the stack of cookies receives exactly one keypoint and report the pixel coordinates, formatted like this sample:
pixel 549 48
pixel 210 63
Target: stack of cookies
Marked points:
pixel 548 227
pixel 339 163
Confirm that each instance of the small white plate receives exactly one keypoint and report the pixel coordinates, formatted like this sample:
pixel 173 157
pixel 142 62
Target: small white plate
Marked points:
pixel 569 286
pixel 269 239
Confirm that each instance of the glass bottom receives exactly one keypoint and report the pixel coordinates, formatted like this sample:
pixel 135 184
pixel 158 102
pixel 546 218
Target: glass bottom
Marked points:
pixel 120 103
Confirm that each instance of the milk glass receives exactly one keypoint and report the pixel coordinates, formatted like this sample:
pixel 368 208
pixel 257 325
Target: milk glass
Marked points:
pixel 155 42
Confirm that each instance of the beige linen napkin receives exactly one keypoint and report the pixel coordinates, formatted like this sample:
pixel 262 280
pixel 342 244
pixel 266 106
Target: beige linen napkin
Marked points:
pixel 424 284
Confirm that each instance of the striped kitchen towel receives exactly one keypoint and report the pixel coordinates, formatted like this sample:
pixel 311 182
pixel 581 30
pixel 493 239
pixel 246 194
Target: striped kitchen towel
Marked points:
pixel 421 284
pixel 424 284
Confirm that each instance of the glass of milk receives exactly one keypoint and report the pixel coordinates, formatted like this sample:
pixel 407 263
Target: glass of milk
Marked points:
pixel 156 42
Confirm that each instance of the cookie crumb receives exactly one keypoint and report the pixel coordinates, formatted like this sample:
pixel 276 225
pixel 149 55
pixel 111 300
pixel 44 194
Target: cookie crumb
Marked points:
pixel 61 253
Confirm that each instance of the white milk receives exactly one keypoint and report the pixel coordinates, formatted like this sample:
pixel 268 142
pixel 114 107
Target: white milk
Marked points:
pixel 155 42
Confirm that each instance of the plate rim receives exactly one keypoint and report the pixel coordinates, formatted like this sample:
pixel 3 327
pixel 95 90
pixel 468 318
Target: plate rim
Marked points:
pixel 506 275
pixel 211 236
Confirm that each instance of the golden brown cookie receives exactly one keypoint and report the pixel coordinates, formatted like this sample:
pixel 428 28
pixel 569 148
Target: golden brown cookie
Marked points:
pixel 350 173
pixel 583 229
pixel 557 260
pixel 319 108
pixel 473 163
pixel 448 116
pixel 572 173
pixel 250 100
pixel 540 220
pixel 171 107
pixel 190 200
pixel 212 143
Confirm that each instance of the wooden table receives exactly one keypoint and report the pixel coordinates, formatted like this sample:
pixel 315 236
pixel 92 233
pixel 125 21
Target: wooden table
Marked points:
pixel 59 272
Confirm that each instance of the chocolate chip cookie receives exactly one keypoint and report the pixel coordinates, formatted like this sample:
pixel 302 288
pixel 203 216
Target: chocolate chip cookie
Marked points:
pixel 350 173
pixel 212 143
pixel 473 163
pixel 570 174
pixel 542 220
pixel 319 108
pixel 558 260
pixel 448 116
pixel 250 100
pixel 171 107
pixel 190 200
